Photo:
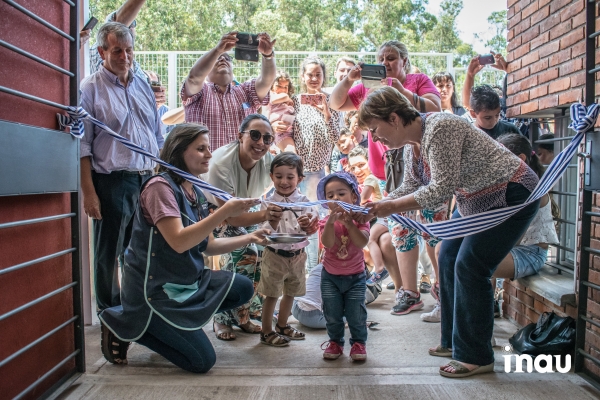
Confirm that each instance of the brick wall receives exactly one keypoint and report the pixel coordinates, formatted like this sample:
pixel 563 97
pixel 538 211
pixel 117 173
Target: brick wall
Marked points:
pixel 546 54
pixel 523 307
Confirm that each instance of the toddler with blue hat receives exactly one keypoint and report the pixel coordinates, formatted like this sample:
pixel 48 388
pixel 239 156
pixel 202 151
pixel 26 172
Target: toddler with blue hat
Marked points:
pixel 343 280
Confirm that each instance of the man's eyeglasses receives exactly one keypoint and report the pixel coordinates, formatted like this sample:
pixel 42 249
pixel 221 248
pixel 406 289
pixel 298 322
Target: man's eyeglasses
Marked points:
pixel 256 135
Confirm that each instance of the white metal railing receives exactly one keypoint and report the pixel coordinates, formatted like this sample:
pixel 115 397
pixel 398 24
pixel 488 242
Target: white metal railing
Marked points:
pixel 173 67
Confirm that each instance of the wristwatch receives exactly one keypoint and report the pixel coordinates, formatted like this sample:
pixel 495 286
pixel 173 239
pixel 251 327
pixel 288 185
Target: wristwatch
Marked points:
pixel 270 56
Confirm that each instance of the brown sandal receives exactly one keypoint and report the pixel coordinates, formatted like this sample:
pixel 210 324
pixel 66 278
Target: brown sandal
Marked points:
pixel 219 333
pixel 250 327
pixel 113 349
pixel 290 333
pixel 274 339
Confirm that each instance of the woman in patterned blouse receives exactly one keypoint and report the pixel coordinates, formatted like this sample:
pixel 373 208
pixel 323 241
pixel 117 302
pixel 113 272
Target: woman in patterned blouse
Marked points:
pixel 444 155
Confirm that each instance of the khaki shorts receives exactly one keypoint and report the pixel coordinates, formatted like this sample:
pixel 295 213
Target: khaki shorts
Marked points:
pixel 282 275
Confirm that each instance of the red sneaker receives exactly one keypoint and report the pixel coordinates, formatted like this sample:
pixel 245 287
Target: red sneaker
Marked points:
pixel 358 352
pixel 332 350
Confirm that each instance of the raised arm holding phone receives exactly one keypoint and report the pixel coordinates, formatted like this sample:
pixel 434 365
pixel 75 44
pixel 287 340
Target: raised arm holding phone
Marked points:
pixel 217 102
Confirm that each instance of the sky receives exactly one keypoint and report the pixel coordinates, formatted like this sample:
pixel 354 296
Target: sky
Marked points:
pixel 472 19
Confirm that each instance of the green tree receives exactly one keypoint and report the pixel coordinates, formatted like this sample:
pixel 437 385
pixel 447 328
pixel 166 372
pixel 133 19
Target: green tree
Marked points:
pixel 444 38
pixel 498 21
pixel 403 20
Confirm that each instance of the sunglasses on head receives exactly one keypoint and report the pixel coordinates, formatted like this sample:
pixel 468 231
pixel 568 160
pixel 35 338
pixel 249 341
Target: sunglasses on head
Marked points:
pixel 256 135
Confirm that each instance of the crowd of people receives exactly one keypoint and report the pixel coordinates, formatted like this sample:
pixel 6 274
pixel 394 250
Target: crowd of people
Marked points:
pixel 407 146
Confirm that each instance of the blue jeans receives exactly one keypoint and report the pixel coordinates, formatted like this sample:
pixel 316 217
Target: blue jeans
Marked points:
pixel 344 296
pixel 191 350
pixel 528 259
pixel 308 187
pixel 466 266
pixel 313 319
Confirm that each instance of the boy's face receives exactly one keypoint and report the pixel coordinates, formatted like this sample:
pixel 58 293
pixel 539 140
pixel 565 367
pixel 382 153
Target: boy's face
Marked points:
pixel 285 179
pixel 336 190
pixel 486 119
pixel 345 144
pixel 359 166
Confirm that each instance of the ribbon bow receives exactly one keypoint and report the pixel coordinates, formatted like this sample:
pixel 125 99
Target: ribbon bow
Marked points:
pixel 583 117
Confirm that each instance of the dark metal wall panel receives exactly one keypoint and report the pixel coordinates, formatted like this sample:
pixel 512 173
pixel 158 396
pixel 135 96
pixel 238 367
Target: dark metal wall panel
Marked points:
pixel 37 160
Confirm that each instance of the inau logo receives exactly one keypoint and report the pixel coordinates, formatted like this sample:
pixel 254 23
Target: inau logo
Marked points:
pixel 542 363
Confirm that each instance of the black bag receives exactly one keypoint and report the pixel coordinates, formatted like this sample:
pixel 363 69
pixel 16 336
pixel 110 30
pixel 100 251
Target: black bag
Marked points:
pixel 394 165
pixel 551 335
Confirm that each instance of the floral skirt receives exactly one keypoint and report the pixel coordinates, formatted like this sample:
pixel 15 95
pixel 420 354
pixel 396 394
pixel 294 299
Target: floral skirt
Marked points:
pixel 246 262
pixel 405 239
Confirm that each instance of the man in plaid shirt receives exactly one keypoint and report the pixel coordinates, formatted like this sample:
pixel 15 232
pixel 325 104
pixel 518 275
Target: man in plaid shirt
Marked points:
pixel 210 97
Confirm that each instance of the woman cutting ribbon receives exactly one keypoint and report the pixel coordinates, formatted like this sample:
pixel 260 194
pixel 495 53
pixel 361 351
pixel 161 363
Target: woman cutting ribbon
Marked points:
pixel 167 295
pixel 444 155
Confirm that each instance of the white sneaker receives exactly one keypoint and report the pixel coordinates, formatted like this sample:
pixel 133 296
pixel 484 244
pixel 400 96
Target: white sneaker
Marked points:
pixel 434 316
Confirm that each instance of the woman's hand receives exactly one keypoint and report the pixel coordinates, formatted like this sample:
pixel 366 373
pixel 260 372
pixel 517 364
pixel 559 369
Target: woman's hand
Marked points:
pixel 273 213
pixel 227 42
pixel 323 107
pixel 280 126
pixel 500 63
pixel 474 66
pixel 354 73
pixel 395 83
pixel 258 236
pixel 234 207
pixel 265 44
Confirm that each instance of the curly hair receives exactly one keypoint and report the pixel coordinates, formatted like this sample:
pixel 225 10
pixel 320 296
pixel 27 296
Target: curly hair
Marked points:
pixel 484 97
pixel 281 74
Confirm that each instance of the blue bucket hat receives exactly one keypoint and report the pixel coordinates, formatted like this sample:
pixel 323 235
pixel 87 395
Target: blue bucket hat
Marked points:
pixel 344 176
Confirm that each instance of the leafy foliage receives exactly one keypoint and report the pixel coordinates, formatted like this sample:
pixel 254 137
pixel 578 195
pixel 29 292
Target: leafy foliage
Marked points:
pixel 304 25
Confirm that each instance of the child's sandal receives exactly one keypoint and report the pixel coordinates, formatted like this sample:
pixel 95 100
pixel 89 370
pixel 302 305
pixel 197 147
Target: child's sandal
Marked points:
pixel 274 339
pixel 290 333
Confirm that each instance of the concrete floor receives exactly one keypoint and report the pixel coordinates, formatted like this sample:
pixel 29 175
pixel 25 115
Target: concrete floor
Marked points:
pixel 398 367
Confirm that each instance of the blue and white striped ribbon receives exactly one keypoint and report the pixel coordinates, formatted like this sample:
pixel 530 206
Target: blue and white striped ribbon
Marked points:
pixel 583 119
pixel 74 121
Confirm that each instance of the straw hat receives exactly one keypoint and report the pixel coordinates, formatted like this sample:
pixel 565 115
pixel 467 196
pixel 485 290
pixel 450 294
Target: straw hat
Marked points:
pixel 174 116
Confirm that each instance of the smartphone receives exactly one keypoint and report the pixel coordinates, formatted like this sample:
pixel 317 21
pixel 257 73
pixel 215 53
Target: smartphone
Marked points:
pixel 246 48
pixel 90 24
pixel 156 86
pixel 486 59
pixel 310 99
pixel 372 74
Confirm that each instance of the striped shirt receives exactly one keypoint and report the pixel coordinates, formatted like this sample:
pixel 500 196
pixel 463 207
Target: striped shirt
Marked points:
pixel 222 112
pixel 129 111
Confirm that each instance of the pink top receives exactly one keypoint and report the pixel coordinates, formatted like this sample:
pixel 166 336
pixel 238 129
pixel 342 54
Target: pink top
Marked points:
pixel 343 258
pixel 158 201
pixel 416 83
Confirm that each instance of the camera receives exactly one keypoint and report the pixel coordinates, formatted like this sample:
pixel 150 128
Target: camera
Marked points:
pixel 486 59
pixel 246 48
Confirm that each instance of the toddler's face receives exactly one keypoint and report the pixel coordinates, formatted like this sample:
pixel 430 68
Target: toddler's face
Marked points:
pixel 285 179
pixel 336 190
pixel 345 144
pixel 359 166
pixel 281 86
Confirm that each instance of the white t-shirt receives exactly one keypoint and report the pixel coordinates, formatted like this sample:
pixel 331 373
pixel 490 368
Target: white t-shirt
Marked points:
pixel 288 222
pixel 312 299
pixel 226 173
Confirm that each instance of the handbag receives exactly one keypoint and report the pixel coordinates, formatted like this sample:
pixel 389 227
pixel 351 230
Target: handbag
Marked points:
pixel 550 335
pixel 394 165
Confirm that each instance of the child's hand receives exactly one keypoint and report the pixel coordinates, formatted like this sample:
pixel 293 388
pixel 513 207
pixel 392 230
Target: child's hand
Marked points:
pixel 308 224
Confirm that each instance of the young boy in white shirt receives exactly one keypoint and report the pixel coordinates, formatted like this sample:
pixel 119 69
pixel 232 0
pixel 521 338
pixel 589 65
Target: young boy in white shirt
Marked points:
pixel 283 265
